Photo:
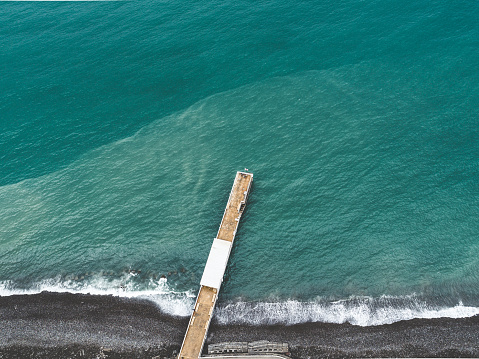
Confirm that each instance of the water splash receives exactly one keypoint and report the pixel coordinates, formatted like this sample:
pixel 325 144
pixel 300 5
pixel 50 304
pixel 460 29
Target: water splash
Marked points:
pixel 169 300
pixel 363 312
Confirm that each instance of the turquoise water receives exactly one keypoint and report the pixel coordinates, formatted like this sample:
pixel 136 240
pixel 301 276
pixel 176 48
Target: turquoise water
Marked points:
pixel 123 124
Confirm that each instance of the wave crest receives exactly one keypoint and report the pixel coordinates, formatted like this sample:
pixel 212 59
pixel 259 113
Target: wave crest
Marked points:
pixel 169 301
pixel 361 311
pixel 357 311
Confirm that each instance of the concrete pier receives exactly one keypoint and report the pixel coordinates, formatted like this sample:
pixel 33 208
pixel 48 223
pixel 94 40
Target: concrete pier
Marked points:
pixel 215 267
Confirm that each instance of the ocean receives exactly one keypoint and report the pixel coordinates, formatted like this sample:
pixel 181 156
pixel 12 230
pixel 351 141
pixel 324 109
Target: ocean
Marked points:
pixel 123 124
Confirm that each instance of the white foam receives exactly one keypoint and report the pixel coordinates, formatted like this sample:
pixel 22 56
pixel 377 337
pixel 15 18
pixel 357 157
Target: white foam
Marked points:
pixel 361 312
pixel 158 291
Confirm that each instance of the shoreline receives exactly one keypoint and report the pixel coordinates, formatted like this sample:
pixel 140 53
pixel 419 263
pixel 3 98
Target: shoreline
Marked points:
pixel 58 325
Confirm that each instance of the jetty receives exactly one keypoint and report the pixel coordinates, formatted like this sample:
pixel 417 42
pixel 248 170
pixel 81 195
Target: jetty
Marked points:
pixel 215 268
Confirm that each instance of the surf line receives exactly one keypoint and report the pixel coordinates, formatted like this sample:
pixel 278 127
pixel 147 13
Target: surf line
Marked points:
pixel 215 267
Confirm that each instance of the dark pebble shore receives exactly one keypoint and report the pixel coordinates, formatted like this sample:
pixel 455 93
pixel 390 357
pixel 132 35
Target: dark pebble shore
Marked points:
pixel 63 325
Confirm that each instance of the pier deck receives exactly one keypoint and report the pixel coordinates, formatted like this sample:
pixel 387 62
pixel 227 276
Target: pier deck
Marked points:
pixel 215 267
pixel 199 323
pixel 235 206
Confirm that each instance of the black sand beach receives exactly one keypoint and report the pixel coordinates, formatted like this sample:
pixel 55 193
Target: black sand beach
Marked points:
pixel 63 325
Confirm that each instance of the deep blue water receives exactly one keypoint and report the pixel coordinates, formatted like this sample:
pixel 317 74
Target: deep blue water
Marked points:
pixel 123 123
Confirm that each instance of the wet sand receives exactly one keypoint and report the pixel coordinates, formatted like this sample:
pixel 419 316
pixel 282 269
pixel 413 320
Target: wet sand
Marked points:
pixel 61 325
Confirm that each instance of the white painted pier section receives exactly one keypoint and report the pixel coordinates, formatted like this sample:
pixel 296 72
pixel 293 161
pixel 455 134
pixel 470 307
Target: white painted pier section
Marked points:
pixel 216 264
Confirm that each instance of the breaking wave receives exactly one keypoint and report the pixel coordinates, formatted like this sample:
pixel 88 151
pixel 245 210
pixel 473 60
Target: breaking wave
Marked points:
pixel 363 311
pixel 170 301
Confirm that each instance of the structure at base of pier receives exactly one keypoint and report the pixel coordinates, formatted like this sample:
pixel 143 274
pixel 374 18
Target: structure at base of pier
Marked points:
pixel 258 347
pixel 215 267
